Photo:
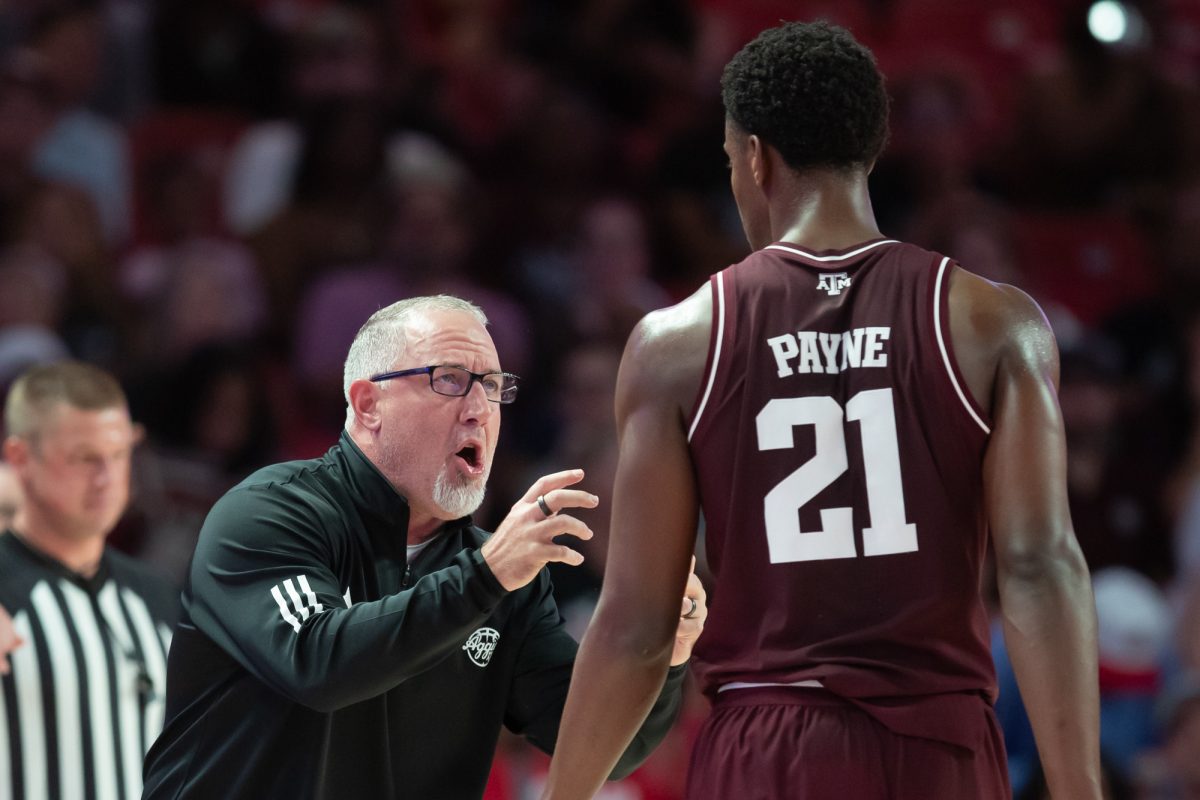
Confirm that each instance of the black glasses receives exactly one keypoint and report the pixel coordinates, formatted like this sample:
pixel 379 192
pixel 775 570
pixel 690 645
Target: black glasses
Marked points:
pixel 500 387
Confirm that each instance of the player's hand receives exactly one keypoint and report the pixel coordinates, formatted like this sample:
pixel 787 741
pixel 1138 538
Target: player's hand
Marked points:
pixel 9 640
pixel 691 618
pixel 524 542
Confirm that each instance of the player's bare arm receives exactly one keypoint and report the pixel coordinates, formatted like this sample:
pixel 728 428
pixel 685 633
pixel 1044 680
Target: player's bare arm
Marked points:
pixel 1010 361
pixel 624 655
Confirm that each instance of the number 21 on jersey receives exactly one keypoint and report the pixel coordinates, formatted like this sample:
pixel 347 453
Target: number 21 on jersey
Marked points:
pixel 889 531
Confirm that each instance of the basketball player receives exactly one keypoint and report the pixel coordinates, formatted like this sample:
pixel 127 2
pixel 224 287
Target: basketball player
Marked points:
pixel 855 417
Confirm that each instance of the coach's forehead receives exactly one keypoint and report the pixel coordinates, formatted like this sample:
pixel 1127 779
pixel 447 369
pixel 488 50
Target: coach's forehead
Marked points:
pixel 449 337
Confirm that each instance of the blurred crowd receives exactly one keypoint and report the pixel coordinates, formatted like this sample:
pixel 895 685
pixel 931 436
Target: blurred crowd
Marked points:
pixel 208 198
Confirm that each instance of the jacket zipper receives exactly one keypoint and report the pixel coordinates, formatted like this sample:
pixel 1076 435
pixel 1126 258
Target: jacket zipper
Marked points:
pixel 407 575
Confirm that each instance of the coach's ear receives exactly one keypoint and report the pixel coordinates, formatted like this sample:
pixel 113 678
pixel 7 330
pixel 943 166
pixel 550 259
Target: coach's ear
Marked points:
pixel 364 403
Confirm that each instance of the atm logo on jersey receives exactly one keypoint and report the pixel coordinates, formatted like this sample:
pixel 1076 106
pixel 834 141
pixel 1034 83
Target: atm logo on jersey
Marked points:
pixel 480 646
pixel 834 282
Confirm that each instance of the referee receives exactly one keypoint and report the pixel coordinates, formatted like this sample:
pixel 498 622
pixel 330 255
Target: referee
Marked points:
pixel 83 696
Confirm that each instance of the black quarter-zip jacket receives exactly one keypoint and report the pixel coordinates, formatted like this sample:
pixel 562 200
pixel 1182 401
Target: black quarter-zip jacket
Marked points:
pixel 312 661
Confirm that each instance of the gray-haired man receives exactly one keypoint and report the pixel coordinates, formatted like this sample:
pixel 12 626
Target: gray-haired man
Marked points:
pixel 347 631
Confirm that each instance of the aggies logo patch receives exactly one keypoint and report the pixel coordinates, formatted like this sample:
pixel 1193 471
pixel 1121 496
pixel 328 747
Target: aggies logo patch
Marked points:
pixel 834 282
pixel 480 646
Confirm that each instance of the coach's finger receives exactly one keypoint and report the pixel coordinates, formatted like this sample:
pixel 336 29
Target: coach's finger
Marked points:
pixel 558 499
pixel 548 483
pixel 564 555
pixel 564 525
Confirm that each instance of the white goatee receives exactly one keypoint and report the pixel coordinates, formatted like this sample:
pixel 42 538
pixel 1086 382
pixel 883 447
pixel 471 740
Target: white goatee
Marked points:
pixel 458 498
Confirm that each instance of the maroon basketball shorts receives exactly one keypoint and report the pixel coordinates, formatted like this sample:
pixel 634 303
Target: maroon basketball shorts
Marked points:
pixel 807 744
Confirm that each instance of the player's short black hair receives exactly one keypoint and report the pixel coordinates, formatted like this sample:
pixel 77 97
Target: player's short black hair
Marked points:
pixel 812 92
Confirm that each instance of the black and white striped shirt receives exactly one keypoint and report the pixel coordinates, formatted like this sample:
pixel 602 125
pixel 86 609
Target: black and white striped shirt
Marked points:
pixel 85 697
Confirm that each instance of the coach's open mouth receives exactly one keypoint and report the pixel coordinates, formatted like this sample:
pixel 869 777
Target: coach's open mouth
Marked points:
pixel 471 456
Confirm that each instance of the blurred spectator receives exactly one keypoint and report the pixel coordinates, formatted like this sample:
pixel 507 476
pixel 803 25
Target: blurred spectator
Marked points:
pixel 32 299
pixel 1184 489
pixel 1172 772
pixel 1115 502
pixel 22 346
pixel 1082 138
pixel 604 276
pixel 191 285
pixel 32 288
pixel 56 219
pixel 585 434
pixel 975 230
pixel 334 55
pixel 472 77
pixel 215 54
pixel 613 268
pixel 938 119
pixel 1133 635
pixel 541 181
pixel 81 148
pixel 336 208
pixel 201 445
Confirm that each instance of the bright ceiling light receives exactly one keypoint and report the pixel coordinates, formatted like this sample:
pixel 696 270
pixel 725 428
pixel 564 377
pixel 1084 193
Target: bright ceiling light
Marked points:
pixel 1108 21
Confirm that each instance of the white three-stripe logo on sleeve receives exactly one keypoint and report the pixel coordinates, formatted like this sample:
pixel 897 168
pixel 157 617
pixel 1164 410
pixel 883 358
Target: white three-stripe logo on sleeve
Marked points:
pixel 298 605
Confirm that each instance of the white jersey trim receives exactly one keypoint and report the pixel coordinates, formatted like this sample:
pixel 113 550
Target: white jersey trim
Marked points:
pixel 712 374
pixel 843 257
pixel 747 685
pixel 941 340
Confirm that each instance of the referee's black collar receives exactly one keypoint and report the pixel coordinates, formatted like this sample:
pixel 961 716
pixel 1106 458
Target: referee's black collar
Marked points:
pixel 92 584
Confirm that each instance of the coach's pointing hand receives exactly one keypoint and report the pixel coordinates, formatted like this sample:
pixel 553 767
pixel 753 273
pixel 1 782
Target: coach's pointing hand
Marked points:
pixel 524 542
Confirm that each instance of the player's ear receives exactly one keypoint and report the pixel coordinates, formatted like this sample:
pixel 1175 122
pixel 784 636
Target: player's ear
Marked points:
pixel 364 403
pixel 759 163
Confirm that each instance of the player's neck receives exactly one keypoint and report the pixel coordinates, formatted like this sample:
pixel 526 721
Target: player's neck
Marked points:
pixel 825 210
pixel 80 555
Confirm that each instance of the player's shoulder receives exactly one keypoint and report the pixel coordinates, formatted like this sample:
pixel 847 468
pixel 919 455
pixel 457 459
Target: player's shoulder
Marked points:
pixel 998 316
pixel 667 349
pixel 664 327
pixel 669 339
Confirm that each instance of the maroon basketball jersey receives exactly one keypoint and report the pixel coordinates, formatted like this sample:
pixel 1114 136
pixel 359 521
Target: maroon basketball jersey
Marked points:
pixel 839 458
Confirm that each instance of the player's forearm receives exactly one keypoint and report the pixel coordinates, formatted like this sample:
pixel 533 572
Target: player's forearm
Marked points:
pixel 657 724
pixel 1050 631
pixel 618 676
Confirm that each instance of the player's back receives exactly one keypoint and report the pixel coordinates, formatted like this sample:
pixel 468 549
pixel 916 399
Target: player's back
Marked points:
pixel 839 457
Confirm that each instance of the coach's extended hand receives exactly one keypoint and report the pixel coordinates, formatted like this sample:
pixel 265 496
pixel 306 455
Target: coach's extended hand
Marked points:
pixel 524 542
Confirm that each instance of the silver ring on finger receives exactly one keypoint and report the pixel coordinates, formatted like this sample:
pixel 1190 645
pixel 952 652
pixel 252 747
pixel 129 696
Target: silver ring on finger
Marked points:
pixel 691 612
pixel 541 501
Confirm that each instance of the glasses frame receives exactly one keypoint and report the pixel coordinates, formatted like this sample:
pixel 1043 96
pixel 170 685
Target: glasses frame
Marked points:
pixel 475 377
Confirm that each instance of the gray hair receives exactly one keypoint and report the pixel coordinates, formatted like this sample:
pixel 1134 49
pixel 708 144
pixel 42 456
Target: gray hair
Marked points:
pixel 381 338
